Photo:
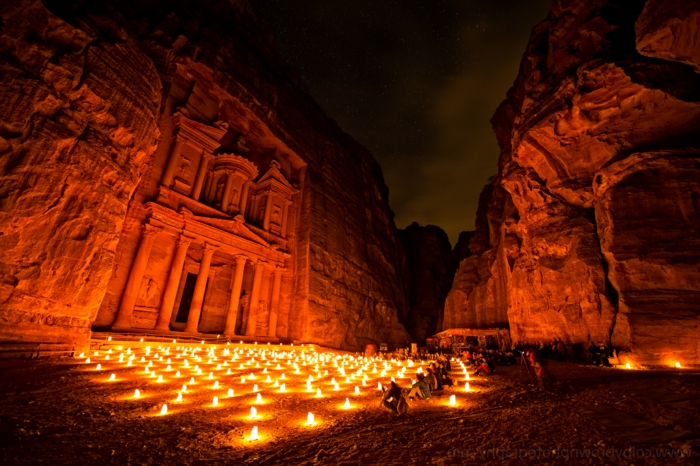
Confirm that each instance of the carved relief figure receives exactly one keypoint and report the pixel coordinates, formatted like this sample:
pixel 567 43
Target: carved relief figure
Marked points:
pixel 220 186
pixel 263 313
pixel 276 216
pixel 240 146
pixel 149 294
pixel 183 172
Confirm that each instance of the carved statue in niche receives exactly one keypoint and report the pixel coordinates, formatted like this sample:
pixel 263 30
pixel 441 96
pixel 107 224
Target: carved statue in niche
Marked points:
pixel 234 198
pixel 149 293
pixel 261 212
pixel 263 312
pixel 276 214
pixel 241 148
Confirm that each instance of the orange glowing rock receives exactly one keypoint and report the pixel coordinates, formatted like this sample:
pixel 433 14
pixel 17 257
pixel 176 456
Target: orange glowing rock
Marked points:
pixel 164 410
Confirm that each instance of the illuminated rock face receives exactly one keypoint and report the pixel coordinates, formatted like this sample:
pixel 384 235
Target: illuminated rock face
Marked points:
pixel 590 232
pixel 76 138
pixel 164 153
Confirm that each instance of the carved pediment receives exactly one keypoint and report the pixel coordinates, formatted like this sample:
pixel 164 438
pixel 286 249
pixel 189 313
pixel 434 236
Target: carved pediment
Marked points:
pixel 198 134
pixel 236 226
pixel 275 177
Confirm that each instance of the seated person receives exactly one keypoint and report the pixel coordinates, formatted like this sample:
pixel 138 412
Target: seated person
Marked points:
pixel 420 388
pixel 431 380
pixel 391 397
pixel 482 368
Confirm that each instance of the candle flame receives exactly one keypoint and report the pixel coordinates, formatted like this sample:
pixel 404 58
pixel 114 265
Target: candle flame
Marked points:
pixel 230 392
pixel 179 398
pixel 310 419
pixel 112 377
pixel 164 410
pixel 347 403
pixel 318 392
pixel 137 393
pixel 258 399
pixel 253 413
pixel 453 400
pixel 254 433
pixel 215 401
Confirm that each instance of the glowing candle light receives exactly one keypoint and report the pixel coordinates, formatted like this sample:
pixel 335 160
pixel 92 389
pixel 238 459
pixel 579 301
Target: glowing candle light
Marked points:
pixel 255 388
pixel 253 413
pixel 364 383
pixel 310 419
pixel 215 401
pixel 309 388
pixel 333 381
pixel 337 387
pixel 268 379
pixel 258 399
pixel 283 377
pixel 112 378
pixel 137 393
pixel 628 366
pixel 254 432
pixel 453 400
pixel 191 380
pixel 164 410
pixel 168 368
pixel 379 385
pixel 318 392
pixel 230 392
pixel 277 384
pixel 466 386
pixel 177 374
pixel 99 367
pixel 216 384
pixel 678 365
pixel 211 375
pixel 357 390
pixel 160 378
pixel 87 361
pixel 179 398
pixel 347 403
pixel 283 388
pixel 184 388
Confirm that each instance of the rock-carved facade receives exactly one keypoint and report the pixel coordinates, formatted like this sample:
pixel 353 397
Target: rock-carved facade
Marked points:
pixel 209 247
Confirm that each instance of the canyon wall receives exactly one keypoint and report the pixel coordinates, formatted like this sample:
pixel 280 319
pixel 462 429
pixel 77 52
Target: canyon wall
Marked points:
pixel 591 230
pixel 432 265
pixel 87 102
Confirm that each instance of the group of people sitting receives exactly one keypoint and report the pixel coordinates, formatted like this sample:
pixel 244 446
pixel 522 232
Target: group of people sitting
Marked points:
pixel 427 384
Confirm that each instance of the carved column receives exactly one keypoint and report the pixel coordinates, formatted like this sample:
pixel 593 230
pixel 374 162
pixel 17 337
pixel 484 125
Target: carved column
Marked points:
pixel 227 192
pixel 173 160
pixel 126 308
pixel 268 208
pixel 254 298
pixel 199 288
pixel 275 302
pixel 285 217
pixel 211 195
pixel 236 283
pixel 201 172
pixel 166 305
pixel 244 197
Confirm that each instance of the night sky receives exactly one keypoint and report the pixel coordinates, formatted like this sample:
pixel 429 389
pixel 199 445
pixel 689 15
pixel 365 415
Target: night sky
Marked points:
pixel 416 82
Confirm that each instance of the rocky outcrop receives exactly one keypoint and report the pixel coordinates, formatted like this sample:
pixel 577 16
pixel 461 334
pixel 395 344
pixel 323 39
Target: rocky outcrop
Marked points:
pixel 77 129
pixel 85 98
pixel 590 230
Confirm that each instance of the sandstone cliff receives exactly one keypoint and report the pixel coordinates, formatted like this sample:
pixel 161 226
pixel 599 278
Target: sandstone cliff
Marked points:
pixel 84 97
pixel 432 265
pixel 591 230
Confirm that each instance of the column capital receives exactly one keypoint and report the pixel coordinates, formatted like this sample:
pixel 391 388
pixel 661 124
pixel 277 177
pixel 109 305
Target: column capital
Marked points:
pixel 240 258
pixel 184 240
pixel 149 230
pixel 209 248
pixel 279 270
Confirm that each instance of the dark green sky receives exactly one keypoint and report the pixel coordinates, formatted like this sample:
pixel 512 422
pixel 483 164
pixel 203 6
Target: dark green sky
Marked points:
pixel 416 82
